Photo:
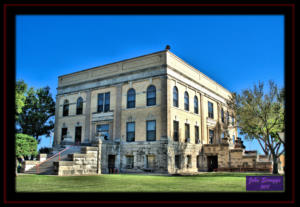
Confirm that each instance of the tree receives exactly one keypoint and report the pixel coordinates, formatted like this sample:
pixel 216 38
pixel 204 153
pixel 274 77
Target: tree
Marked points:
pixel 35 119
pixel 260 116
pixel 21 88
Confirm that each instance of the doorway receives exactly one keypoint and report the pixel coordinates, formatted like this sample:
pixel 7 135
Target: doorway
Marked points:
pixel 212 163
pixel 111 163
pixel 77 135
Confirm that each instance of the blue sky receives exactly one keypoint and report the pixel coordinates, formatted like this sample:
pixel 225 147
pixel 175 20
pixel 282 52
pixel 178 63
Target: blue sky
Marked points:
pixel 234 50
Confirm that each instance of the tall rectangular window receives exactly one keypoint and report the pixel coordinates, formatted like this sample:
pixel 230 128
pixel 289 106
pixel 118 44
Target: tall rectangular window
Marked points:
pixel 63 133
pixel 177 161
pixel 130 135
pixel 187 133
pixel 210 110
pixel 211 136
pixel 175 130
pixel 103 129
pixel 129 161
pixel 103 102
pixel 151 130
pixel 197 141
pixel 189 161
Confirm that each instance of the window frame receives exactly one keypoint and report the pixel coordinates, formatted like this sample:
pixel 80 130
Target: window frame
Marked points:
pixel 187 132
pixel 66 107
pixel 149 132
pixel 186 101
pixel 211 139
pixel 127 132
pixel 105 100
pixel 175 97
pixel 151 101
pixel 175 135
pixel 79 106
pixel 196 105
pixel 131 103
pixel 210 110
pixel 197 137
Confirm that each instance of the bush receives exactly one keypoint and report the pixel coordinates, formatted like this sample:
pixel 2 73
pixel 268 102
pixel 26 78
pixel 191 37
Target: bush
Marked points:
pixel 25 145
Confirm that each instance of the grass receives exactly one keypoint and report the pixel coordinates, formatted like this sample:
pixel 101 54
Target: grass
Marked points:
pixel 206 182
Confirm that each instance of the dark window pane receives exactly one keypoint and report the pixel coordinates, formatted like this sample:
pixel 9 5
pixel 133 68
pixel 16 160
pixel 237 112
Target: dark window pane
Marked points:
pixel 151 95
pixel 130 132
pixel 66 108
pixel 131 98
pixel 107 102
pixel 175 130
pixel 196 134
pixel 151 130
pixel 175 96
pixel 100 102
pixel 222 115
pixel 186 101
pixel 79 106
pixel 187 132
pixel 177 161
pixel 196 105
pixel 210 110
pixel 211 136
pixel 104 130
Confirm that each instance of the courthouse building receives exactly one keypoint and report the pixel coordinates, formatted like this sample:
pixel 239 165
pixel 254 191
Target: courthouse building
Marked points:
pixel 153 113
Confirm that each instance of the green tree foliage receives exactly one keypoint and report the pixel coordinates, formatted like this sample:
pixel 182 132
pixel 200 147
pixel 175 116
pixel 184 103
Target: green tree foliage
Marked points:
pixel 260 116
pixel 25 145
pixel 35 119
pixel 21 88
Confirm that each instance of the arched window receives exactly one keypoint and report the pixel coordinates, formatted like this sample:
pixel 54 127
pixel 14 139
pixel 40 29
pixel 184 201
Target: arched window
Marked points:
pixel 131 98
pixel 151 95
pixel 66 108
pixel 175 96
pixel 79 106
pixel 222 115
pixel 186 101
pixel 196 111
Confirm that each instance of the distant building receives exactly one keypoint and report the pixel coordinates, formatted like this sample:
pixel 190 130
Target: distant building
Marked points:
pixel 154 113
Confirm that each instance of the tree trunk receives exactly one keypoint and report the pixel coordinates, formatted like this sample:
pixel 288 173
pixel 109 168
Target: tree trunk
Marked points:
pixel 275 165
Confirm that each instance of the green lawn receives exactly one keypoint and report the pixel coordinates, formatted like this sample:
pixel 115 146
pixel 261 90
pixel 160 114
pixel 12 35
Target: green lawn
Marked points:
pixel 206 182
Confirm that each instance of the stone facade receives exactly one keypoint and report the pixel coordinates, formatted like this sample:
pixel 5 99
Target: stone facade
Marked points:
pixel 141 137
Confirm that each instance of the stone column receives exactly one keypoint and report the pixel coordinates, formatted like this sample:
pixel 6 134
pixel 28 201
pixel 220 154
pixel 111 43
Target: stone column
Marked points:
pixel 99 144
pixel 118 113
pixel 87 116
pixel 56 131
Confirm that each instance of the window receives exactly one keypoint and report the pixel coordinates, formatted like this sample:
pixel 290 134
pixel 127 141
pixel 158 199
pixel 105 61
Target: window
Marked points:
pixel 232 120
pixel 130 136
pixel 79 106
pixel 129 161
pixel 175 130
pixel 211 136
pixel 63 133
pixel 222 115
pixel 151 95
pixel 151 130
pixel 186 101
pixel 131 98
pixel 198 161
pixel 175 96
pixel 189 161
pixel 177 161
pixel 187 133
pixel 196 111
pixel 103 129
pixel 150 161
pixel 210 110
pixel 103 102
pixel 66 108
pixel 197 141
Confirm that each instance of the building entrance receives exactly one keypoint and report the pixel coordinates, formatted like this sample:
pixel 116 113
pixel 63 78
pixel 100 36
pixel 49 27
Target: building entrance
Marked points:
pixel 111 163
pixel 77 135
pixel 212 163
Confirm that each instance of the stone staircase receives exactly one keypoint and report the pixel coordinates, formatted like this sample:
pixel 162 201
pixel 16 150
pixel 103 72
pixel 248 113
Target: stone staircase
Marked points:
pixel 46 167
